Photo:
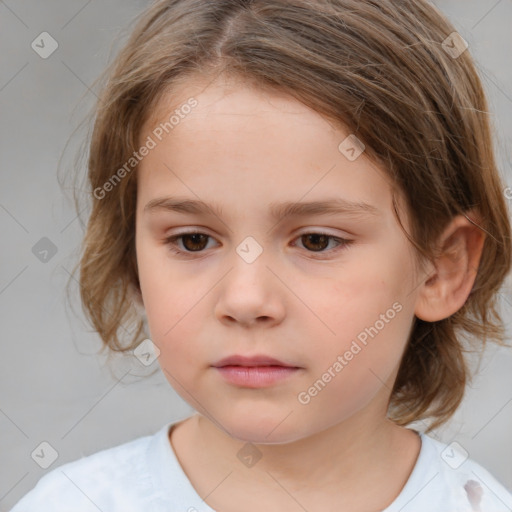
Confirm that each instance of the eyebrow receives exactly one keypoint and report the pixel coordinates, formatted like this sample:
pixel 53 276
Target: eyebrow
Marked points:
pixel 335 206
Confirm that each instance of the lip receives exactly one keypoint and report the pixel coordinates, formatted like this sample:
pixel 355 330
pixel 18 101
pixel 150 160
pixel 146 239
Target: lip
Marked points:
pixel 256 376
pixel 255 371
pixel 256 360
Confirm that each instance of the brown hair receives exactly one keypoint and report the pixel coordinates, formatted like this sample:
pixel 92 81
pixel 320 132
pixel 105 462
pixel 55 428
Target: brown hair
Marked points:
pixel 378 67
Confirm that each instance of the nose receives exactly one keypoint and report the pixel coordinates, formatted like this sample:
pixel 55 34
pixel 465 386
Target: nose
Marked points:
pixel 250 294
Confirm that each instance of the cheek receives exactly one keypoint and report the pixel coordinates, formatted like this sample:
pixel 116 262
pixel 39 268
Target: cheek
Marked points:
pixel 172 304
pixel 358 298
pixel 365 322
pixel 351 368
pixel 175 326
pixel 175 329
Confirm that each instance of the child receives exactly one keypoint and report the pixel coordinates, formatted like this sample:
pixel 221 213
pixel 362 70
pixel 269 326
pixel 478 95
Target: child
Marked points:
pixel 302 199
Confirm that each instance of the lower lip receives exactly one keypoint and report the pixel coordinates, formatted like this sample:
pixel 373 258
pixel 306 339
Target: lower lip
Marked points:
pixel 255 376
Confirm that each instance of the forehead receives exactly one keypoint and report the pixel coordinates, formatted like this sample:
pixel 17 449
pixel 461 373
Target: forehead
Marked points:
pixel 231 96
pixel 255 143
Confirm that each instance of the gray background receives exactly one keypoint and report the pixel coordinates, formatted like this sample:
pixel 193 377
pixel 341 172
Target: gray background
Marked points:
pixel 54 386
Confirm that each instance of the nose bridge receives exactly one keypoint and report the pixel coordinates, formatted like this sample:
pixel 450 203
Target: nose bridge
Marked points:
pixel 249 264
pixel 250 250
pixel 249 290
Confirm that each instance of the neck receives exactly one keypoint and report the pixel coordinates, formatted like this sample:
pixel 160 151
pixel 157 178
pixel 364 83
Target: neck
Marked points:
pixel 344 460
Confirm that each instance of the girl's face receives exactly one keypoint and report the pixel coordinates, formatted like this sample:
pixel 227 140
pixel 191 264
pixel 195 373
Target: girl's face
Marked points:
pixel 329 292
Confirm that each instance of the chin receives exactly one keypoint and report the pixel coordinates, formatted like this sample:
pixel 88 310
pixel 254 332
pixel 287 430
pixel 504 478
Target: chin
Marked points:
pixel 263 430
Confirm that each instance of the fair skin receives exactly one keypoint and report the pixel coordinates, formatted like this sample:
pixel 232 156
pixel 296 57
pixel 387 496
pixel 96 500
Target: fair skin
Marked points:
pixel 302 301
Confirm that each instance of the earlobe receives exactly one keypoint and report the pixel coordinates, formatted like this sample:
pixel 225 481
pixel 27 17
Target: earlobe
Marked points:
pixel 447 287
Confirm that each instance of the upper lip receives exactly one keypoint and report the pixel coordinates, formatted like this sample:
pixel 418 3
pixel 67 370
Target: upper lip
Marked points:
pixel 257 360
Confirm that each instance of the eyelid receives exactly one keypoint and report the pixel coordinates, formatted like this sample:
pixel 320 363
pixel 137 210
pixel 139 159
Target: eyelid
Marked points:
pixel 341 241
pixel 342 244
pixel 312 230
pixel 307 230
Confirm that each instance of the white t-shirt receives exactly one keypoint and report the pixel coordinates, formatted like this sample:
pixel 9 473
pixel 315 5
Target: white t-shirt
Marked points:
pixel 144 475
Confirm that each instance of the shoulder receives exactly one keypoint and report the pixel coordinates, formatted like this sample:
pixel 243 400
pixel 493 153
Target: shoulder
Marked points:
pixel 458 482
pixel 111 479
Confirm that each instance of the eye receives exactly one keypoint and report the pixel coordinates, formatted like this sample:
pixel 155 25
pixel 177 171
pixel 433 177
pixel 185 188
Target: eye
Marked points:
pixel 317 242
pixel 196 242
pixel 193 241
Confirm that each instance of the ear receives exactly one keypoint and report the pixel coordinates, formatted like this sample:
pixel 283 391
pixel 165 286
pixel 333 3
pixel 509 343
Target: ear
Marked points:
pixel 447 288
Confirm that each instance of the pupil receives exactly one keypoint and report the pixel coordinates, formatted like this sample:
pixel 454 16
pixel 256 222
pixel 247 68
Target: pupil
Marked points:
pixel 315 237
pixel 194 237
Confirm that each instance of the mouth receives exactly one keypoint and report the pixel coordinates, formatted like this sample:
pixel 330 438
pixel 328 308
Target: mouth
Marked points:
pixel 254 372
pixel 252 361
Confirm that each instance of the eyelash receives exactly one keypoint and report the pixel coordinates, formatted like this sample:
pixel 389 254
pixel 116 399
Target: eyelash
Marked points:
pixel 170 241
